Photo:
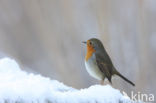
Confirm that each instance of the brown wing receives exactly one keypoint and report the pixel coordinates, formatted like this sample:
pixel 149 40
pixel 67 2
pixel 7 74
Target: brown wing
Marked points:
pixel 104 65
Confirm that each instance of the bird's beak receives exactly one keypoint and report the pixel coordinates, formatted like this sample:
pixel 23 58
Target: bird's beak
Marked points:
pixel 84 42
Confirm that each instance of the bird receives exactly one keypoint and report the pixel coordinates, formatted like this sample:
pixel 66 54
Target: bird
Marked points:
pixel 98 63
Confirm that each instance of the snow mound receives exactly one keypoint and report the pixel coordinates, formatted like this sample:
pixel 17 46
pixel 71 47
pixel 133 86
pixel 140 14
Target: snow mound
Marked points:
pixel 17 86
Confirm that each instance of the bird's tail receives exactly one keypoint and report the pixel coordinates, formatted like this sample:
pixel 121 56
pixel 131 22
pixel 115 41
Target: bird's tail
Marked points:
pixel 117 73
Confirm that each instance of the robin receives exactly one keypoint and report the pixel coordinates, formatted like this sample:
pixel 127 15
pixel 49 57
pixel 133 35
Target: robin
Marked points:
pixel 98 63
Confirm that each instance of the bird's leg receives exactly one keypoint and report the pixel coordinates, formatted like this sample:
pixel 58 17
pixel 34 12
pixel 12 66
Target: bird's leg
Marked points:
pixel 102 82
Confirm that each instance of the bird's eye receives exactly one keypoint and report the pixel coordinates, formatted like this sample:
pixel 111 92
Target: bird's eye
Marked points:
pixel 90 43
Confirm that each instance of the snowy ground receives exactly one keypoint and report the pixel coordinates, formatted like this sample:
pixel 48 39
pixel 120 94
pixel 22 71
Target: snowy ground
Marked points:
pixel 17 86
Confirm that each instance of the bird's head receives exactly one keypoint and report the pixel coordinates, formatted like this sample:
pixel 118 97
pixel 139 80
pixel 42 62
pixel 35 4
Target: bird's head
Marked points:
pixel 94 44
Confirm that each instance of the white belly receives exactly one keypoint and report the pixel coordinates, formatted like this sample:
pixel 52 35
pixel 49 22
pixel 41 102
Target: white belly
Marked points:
pixel 93 70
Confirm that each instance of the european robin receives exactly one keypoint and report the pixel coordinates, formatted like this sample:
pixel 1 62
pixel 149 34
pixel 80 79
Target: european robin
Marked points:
pixel 98 63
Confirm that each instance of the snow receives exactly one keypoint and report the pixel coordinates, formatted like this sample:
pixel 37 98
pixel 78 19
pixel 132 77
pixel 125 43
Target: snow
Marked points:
pixel 18 86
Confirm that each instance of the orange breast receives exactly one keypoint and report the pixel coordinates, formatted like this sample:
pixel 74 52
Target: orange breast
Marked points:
pixel 90 51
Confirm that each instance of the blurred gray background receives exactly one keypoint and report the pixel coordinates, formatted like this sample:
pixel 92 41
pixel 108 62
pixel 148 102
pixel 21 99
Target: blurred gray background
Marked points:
pixel 45 37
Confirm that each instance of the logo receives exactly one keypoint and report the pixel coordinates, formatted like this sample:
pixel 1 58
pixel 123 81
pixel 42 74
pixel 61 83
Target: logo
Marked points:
pixel 136 97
